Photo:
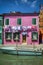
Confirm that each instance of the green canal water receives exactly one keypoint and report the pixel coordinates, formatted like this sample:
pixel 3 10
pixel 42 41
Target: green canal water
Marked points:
pixel 6 59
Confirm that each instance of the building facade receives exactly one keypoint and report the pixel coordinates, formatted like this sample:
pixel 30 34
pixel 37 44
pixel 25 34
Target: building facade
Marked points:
pixel 1 29
pixel 41 24
pixel 21 28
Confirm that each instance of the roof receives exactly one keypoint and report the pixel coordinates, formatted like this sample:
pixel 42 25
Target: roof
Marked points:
pixel 20 14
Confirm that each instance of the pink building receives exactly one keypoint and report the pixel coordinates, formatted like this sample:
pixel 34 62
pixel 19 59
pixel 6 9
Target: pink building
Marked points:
pixel 21 28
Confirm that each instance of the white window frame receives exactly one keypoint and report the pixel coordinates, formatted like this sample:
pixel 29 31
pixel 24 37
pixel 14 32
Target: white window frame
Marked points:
pixel 5 21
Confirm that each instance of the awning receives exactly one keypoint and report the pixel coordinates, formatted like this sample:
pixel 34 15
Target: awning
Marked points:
pixel 15 28
pixel 24 33
pixel 29 27
pixel 19 27
pixel 8 28
pixel 24 28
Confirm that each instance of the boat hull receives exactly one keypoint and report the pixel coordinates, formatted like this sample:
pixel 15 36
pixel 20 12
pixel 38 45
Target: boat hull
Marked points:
pixel 21 52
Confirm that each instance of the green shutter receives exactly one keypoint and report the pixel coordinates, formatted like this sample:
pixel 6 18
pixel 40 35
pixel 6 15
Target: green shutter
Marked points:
pixel 34 21
pixel 7 22
pixel 19 21
pixel 34 36
pixel 1 23
pixel 0 35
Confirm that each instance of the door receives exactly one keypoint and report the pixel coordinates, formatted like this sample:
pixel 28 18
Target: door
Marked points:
pixel 24 38
pixel 40 37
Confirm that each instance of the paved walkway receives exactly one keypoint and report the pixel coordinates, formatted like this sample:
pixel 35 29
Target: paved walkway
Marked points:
pixel 23 47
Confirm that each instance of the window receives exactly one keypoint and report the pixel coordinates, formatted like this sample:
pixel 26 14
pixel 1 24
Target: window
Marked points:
pixel 34 21
pixel 0 22
pixel 19 21
pixel 0 35
pixel 8 35
pixel 16 36
pixel 7 22
pixel 35 36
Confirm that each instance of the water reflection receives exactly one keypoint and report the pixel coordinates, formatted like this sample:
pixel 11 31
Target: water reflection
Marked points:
pixel 7 59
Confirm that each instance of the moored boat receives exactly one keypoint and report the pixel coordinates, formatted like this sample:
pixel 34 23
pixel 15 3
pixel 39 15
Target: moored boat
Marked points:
pixel 20 52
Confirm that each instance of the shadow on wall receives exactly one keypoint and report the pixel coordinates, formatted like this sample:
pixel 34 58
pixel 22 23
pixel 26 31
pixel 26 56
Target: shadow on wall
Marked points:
pixel 40 37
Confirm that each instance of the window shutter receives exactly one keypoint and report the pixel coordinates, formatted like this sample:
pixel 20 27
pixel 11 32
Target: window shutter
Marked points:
pixel 7 21
pixel 0 22
pixel 19 21
pixel 0 35
pixel 34 21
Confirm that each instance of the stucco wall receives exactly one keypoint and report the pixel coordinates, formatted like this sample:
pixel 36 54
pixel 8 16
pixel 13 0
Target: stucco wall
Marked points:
pixel 26 21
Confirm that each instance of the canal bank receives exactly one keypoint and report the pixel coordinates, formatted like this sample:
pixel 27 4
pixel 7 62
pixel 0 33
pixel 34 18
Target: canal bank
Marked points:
pixel 22 49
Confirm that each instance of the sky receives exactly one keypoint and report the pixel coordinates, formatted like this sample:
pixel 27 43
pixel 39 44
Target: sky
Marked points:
pixel 24 6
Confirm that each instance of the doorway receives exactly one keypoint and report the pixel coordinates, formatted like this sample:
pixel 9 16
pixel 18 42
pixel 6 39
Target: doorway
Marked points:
pixel 24 38
pixel 40 37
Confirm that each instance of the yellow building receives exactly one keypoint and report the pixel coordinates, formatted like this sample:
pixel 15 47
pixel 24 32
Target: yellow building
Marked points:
pixel 41 21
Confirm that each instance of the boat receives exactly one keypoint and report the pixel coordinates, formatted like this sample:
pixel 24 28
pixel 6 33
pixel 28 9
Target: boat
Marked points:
pixel 20 52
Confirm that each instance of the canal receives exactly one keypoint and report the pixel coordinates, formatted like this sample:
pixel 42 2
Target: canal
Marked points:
pixel 6 59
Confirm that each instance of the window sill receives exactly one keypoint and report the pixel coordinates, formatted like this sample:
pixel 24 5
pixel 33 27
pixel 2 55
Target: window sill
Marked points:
pixel 8 39
pixel 34 40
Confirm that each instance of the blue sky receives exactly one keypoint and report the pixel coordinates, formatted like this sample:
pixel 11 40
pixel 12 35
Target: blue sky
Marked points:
pixel 25 6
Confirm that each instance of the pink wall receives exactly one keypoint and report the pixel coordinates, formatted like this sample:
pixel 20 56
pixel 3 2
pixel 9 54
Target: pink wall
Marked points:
pixel 26 21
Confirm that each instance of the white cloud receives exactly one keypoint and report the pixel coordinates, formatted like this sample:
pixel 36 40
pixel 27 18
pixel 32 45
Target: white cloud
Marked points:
pixel 27 2
pixel 16 2
pixel 24 1
pixel 33 4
